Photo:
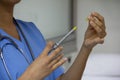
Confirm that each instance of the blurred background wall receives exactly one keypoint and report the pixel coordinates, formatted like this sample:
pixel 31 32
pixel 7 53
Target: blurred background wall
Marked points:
pixel 104 61
pixel 110 10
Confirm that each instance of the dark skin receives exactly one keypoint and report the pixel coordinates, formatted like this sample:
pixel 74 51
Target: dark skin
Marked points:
pixel 6 17
pixel 94 35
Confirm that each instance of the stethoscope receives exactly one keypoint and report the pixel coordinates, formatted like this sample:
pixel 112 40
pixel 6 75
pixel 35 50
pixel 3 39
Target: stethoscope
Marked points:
pixel 11 42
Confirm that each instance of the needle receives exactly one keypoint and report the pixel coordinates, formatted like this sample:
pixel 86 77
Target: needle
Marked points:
pixel 61 40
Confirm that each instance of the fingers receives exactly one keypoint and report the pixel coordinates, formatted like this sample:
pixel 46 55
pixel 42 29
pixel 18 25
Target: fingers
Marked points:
pixel 46 63
pixel 97 22
pixel 97 15
pixel 99 18
pixel 55 60
pixel 55 53
pixel 62 61
pixel 95 26
pixel 47 48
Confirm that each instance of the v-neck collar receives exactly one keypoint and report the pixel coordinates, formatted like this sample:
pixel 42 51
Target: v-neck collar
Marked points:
pixel 2 32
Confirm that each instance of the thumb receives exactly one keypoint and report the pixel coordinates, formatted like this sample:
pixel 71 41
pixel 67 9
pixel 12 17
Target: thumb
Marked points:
pixel 93 42
pixel 47 48
pixel 99 40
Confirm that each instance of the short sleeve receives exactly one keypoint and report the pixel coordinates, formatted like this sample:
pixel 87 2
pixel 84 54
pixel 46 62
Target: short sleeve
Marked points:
pixel 58 72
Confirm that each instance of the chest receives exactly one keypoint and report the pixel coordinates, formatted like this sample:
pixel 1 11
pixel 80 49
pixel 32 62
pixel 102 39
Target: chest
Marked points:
pixel 13 60
pixel 12 31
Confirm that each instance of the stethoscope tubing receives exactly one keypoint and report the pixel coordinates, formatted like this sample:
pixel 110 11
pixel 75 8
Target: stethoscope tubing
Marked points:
pixel 16 46
pixel 27 43
pixel 2 56
pixel 5 66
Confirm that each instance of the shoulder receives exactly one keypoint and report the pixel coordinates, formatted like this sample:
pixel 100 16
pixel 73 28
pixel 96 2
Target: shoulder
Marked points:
pixel 28 27
pixel 26 24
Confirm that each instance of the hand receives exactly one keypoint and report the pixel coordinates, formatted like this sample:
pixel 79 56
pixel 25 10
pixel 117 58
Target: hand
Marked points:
pixel 96 30
pixel 45 64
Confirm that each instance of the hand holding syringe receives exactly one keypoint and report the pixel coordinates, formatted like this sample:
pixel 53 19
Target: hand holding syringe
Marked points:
pixel 61 40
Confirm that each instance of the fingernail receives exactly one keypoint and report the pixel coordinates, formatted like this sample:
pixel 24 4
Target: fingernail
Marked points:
pixel 65 59
pixel 61 47
pixel 91 22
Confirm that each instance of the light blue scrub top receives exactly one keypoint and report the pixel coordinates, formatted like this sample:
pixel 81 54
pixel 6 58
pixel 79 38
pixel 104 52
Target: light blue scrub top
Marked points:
pixel 15 62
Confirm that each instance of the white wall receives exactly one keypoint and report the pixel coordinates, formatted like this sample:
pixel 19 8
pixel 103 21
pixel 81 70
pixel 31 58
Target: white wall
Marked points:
pixel 110 10
pixel 103 63
pixel 52 17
